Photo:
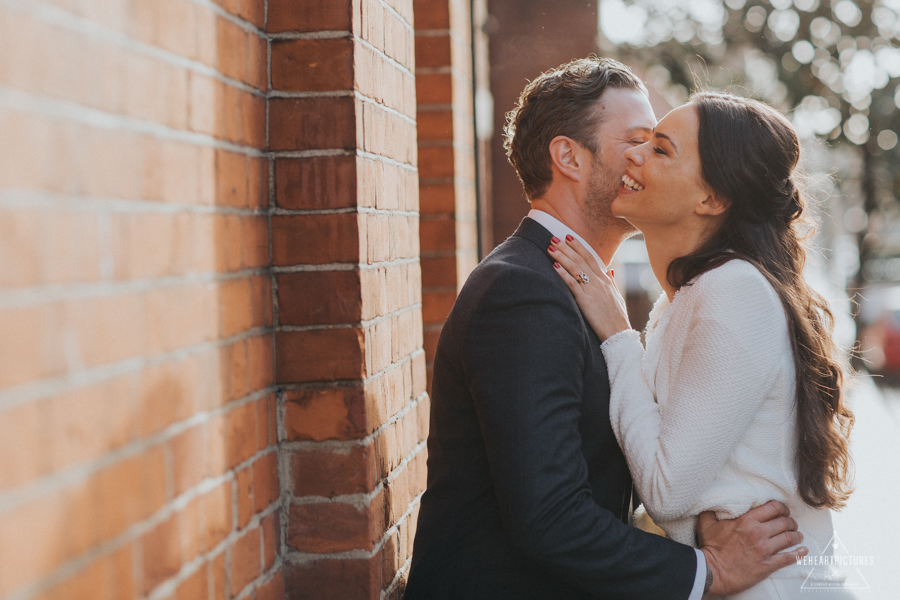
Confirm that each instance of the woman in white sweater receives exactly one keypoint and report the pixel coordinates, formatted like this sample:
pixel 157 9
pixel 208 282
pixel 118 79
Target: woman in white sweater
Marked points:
pixel 737 398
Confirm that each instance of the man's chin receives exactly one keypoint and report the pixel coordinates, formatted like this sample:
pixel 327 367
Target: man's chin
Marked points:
pixel 623 225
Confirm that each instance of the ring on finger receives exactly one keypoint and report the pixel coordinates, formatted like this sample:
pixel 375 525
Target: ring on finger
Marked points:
pixel 583 278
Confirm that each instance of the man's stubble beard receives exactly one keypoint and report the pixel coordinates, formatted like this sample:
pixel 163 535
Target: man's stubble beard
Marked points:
pixel 603 188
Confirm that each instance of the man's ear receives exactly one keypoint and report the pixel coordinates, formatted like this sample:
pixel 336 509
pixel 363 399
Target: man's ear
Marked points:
pixel 566 157
pixel 713 205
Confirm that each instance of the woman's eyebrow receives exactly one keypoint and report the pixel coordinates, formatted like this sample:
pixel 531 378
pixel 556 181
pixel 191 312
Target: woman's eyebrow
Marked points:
pixel 662 135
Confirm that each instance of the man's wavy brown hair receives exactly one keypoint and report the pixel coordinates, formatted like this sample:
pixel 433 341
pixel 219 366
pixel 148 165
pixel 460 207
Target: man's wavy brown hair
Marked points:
pixel 562 101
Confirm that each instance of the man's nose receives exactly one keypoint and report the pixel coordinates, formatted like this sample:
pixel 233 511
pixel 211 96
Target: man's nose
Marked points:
pixel 634 155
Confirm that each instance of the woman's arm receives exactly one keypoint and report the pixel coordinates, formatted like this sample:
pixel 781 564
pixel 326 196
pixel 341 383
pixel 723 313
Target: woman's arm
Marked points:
pixel 727 367
pixel 726 370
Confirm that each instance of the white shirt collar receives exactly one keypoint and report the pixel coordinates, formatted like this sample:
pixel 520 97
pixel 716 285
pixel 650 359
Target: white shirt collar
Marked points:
pixel 560 230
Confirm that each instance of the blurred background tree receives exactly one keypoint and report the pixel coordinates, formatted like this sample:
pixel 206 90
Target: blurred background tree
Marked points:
pixel 831 65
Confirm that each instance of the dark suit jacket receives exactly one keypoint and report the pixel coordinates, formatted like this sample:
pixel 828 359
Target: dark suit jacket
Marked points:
pixel 528 490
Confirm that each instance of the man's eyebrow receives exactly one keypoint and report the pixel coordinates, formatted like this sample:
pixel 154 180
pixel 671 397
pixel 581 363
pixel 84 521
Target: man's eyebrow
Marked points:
pixel 662 135
pixel 641 129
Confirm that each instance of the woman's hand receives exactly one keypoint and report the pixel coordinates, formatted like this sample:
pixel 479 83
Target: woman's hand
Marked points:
pixel 599 299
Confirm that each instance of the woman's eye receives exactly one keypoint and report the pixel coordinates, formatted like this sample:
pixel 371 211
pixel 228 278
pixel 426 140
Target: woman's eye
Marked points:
pixel 659 151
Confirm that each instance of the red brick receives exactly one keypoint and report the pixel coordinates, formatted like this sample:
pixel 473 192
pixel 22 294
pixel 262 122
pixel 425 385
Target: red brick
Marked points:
pixel 272 589
pixel 434 88
pixel 253 11
pixel 129 491
pixel 231 178
pixel 312 123
pixel 335 526
pixel 240 434
pixel 245 560
pixel 439 271
pixel 434 125
pixel 312 65
pixel 253 120
pixel 331 579
pixel 290 15
pixel 257 182
pixel 436 306
pixel 217 577
pixel 195 586
pixel 328 413
pixel 319 182
pixel 243 481
pixel 263 426
pixel 271 539
pixel 261 298
pixel 216 515
pixel 431 14
pixel 31 349
pixel 189 463
pixel 436 162
pixel 315 239
pixel 162 553
pixel 189 530
pixel 235 311
pixel 232 44
pixel 301 301
pixel 234 360
pixel 265 481
pixel 230 127
pixel 228 239
pixel 107 578
pixel 255 242
pixel 319 355
pixel 260 368
pixel 328 474
pixel 437 235
pixel 23 435
pixel 433 51
pixel 257 61
pixel 423 416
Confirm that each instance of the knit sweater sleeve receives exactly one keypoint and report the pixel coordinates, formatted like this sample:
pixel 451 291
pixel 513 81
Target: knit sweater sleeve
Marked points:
pixel 727 368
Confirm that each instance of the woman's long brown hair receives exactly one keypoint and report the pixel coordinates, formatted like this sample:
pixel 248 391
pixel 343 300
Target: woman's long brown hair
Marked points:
pixel 748 153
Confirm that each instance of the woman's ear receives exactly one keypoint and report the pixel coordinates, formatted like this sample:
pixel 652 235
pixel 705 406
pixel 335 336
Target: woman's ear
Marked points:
pixel 713 205
pixel 565 154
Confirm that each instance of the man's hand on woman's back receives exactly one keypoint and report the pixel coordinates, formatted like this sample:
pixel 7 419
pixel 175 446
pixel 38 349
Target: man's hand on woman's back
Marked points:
pixel 742 552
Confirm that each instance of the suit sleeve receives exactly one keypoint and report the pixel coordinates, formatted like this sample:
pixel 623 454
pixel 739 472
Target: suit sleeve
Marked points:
pixel 528 399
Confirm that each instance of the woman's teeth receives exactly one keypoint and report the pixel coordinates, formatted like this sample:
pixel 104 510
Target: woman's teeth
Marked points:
pixel 631 184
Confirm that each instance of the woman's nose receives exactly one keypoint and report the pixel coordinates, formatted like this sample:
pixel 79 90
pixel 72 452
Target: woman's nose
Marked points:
pixel 634 155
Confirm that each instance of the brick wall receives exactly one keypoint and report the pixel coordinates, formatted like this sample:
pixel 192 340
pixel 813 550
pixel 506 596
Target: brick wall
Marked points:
pixel 348 318
pixel 137 406
pixel 447 174
pixel 212 374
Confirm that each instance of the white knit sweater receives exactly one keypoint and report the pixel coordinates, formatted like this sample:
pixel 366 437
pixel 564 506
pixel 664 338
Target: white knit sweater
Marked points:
pixel 706 415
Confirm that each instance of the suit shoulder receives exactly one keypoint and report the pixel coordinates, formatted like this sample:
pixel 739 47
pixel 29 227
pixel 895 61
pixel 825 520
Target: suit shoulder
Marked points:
pixel 515 269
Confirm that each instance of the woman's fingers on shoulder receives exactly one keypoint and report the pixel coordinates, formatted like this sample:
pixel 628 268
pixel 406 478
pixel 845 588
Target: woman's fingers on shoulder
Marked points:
pixel 584 254
pixel 566 276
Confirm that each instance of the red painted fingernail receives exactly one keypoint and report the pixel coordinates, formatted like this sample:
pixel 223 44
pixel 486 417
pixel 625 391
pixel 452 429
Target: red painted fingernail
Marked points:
pixel 551 248
pixel 554 239
pixel 569 238
pixel 557 265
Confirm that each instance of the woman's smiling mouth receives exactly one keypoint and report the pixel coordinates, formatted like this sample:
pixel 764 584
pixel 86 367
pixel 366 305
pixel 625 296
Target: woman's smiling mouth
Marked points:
pixel 631 184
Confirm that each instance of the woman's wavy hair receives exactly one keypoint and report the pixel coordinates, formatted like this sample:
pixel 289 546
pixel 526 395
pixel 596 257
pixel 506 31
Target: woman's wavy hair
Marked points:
pixel 748 154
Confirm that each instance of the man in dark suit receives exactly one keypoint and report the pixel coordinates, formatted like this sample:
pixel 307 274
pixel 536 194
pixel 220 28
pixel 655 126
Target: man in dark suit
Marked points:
pixel 528 492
